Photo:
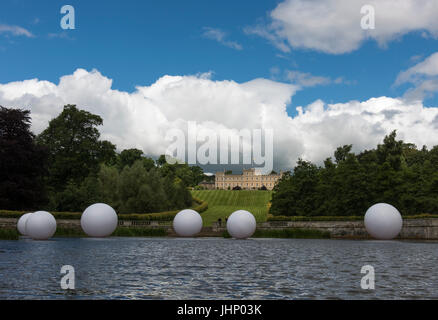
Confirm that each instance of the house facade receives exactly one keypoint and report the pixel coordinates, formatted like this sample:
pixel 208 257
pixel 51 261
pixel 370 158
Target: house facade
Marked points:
pixel 249 179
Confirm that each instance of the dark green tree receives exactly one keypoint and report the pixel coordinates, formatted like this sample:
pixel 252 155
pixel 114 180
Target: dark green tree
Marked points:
pixel 138 190
pixel 341 153
pixel 161 160
pixel 395 172
pixel 295 195
pixel 128 157
pixel 391 151
pixel 75 150
pixel 198 175
pixel 22 162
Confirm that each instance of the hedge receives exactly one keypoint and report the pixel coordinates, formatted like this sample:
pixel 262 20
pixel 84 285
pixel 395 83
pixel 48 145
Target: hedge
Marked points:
pixel 159 216
pixel 163 216
pixel 57 215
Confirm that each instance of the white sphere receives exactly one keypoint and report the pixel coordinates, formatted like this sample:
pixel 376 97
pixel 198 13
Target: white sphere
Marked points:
pixel 99 220
pixel 383 221
pixel 241 224
pixel 21 224
pixel 40 225
pixel 187 223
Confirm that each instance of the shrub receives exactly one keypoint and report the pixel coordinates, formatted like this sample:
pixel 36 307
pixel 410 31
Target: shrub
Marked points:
pixel 163 216
pixel 57 215
pixel 9 234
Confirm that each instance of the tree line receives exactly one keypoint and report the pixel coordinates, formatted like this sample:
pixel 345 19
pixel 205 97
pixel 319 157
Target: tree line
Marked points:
pixel 68 167
pixel 394 172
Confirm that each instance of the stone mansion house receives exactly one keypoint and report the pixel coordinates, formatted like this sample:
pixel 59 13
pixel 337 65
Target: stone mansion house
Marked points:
pixel 249 179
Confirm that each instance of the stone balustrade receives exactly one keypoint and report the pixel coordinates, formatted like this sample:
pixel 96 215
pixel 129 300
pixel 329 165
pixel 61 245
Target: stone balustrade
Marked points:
pixel 418 229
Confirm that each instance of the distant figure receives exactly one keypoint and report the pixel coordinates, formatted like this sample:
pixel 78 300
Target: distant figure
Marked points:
pixel 219 222
pixel 226 220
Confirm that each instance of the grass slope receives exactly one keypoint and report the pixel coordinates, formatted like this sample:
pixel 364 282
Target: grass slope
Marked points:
pixel 222 203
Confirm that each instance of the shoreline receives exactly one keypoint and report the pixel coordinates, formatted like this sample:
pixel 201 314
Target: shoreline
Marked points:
pixel 13 234
pixel 413 229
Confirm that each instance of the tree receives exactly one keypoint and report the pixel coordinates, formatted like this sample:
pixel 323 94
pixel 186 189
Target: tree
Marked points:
pixel 75 150
pixel 148 163
pixel 161 160
pixel 22 162
pixel 347 196
pixel 198 175
pixel 391 151
pixel 75 198
pixel 108 155
pixel 341 153
pixel 395 172
pixel 128 157
pixel 138 190
pixel 296 195
pixel 190 176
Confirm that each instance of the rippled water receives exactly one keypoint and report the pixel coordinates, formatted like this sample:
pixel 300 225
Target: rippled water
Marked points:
pixel 203 268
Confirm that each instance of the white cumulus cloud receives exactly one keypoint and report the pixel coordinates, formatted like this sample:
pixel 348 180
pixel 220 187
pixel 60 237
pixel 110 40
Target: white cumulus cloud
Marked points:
pixel 334 26
pixel 424 77
pixel 142 118
pixel 428 67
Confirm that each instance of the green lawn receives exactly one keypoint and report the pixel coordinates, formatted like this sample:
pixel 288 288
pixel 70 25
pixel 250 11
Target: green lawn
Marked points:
pixel 222 203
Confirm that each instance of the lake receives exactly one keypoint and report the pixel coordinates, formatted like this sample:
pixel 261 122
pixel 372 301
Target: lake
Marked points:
pixel 216 268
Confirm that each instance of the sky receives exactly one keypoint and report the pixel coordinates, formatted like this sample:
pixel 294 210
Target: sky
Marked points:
pixel 303 67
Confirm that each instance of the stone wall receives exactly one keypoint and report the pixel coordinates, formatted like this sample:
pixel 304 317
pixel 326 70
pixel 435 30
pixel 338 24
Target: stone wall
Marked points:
pixel 419 229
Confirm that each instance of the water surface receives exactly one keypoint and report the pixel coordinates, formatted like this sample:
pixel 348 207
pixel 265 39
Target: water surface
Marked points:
pixel 215 268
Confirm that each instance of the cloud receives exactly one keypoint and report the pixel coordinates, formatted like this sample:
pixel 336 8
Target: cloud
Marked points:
pixel 428 67
pixel 264 32
pixel 304 79
pixel 334 26
pixel 424 77
pixel 141 119
pixel 59 35
pixel 416 58
pixel 15 31
pixel 363 124
pixel 220 36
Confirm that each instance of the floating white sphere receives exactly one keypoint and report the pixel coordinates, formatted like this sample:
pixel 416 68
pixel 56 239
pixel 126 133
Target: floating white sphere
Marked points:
pixel 187 223
pixel 99 220
pixel 21 224
pixel 383 221
pixel 40 225
pixel 241 224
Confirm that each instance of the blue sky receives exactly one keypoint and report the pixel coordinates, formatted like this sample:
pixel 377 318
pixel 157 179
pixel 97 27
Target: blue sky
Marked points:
pixel 137 42
pixel 229 64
